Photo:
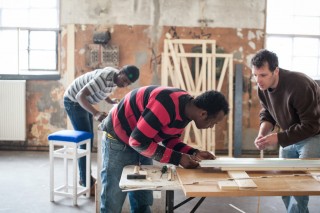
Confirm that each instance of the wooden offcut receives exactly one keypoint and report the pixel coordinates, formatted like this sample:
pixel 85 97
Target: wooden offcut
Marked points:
pixel 242 179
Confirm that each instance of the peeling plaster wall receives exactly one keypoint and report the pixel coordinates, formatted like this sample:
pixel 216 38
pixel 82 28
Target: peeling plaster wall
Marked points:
pixel 182 13
pixel 138 27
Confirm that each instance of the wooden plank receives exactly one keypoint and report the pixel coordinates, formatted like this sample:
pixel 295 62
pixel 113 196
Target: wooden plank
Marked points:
pixel 186 70
pixel 255 164
pixel 315 174
pixel 176 65
pixel 269 169
pixel 245 183
pixel 228 185
pixel 192 41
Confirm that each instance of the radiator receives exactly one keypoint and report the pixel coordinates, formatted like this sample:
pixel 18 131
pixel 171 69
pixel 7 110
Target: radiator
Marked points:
pixel 13 110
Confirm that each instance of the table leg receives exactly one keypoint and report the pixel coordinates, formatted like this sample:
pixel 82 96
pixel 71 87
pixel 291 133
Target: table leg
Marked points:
pixel 169 201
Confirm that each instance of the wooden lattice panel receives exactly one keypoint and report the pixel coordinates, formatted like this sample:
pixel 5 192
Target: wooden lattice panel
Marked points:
pixel 176 71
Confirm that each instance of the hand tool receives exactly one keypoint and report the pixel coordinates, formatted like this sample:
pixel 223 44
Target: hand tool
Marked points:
pixel 136 174
pixel 163 170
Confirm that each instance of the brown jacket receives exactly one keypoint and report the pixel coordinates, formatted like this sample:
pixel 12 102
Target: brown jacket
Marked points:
pixel 294 105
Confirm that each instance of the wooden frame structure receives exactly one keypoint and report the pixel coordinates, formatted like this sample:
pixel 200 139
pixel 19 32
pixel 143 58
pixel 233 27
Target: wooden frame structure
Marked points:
pixel 176 71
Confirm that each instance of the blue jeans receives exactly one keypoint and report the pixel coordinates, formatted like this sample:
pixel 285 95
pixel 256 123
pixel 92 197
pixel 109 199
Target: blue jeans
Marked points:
pixel 308 148
pixel 115 156
pixel 81 120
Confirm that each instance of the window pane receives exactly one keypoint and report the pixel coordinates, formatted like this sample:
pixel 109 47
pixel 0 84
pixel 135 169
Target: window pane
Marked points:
pixel 8 51
pixel 307 65
pixel 14 18
pixel 14 4
pixel 43 3
pixel 306 47
pixel 8 62
pixel 307 7
pixel 38 18
pixel 280 24
pixel 24 60
pixel 44 18
pixel 43 60
pixel 43 40
pixel 277 7
pixel 306 25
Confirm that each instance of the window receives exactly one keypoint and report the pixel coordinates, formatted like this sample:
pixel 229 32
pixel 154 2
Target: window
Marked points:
pixel 29 32
pixel 293 33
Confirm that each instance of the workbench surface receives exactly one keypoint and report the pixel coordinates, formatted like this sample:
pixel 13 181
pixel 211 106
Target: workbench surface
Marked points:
pixel 203 182
pixel 153 181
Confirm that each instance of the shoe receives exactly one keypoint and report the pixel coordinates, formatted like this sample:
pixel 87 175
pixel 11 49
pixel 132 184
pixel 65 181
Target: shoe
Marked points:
pixel 93 187
pixel 93 190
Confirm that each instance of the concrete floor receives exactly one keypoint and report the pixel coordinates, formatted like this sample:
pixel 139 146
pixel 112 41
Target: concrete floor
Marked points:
pixel 24 187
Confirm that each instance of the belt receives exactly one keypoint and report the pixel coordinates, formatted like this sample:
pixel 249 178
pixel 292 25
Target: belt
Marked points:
pixel 108 135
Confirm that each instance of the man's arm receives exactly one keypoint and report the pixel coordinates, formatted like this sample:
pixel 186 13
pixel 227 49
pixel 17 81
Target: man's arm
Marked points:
pixel 81 98
pixel 265 128
pixel 264 138
pixel 111 101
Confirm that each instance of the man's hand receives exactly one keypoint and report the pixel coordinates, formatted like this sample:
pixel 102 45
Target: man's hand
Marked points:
pixel 262 142
pixel 189 161
pixel 192 161
pixel 204 155
pixel 100 116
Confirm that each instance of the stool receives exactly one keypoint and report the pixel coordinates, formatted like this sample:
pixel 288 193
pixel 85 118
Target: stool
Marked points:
pixel 69 142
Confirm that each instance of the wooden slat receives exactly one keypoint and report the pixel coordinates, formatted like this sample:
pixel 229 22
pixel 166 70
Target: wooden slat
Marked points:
pixel 315 174
pixel 228 185
pixel 245 183
pixel 254 164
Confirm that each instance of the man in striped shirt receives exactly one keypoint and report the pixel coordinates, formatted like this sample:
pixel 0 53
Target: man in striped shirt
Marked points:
pixel 90 89
pixel 133 130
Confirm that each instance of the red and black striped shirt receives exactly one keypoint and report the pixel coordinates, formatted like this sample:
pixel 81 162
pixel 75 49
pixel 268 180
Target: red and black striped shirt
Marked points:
pixel 149 115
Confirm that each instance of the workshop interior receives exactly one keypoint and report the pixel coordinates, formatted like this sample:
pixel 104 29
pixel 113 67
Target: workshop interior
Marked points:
pixel 193 45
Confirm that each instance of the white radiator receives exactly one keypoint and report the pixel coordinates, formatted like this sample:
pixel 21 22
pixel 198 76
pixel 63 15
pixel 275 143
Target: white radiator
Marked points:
pixel 13 110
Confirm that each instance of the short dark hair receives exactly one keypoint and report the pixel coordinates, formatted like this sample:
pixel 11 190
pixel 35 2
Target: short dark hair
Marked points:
pixel 213 102
pixel 263 56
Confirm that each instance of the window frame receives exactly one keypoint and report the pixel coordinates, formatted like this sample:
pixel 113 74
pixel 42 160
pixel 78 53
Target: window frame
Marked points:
pixel 36 74
pixel 292 36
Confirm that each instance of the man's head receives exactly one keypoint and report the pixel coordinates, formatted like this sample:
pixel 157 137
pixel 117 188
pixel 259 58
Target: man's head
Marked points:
pixel 265 69
pixel 127 75
pixel 213 107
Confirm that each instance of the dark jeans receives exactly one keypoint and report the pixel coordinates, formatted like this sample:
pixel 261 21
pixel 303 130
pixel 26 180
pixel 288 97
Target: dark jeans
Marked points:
pixel 81 120
pixel 115 156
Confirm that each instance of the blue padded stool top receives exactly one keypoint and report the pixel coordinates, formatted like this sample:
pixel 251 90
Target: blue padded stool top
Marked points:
pixel 70 136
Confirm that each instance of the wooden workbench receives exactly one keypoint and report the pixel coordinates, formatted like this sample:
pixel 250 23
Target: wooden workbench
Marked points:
pixel 203 182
